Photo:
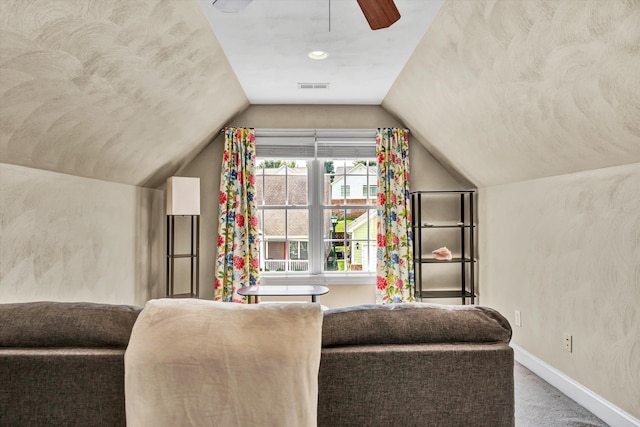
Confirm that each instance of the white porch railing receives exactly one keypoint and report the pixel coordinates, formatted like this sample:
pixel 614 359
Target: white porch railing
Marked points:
pixel 286 265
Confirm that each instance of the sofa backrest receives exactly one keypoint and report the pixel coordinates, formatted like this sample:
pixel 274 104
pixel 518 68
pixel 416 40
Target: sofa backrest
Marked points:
pixel 413 323
pixel 66 324
pixel 83 324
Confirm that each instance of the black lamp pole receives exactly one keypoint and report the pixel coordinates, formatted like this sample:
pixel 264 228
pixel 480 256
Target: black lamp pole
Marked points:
pixel 334 262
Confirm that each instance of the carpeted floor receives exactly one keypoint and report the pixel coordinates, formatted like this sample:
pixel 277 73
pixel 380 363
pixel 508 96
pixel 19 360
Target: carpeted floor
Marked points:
pixel 539 404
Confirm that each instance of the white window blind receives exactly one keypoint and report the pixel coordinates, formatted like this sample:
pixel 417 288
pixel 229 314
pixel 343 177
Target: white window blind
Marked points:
pixel 316 143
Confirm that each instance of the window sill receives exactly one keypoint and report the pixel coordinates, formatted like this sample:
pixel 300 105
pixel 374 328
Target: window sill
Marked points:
pixel 324 279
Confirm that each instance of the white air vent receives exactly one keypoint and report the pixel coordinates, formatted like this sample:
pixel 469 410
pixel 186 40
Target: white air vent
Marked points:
pixel 313 85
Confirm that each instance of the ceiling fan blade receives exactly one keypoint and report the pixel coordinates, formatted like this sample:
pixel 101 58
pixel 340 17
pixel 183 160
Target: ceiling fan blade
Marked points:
pixel 379 13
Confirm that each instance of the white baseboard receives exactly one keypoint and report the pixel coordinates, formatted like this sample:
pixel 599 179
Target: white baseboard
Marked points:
pixel 600 407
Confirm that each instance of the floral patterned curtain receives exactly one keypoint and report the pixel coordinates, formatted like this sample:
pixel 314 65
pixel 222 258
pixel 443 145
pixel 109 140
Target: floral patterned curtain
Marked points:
pixel 237 264
pixel 395 280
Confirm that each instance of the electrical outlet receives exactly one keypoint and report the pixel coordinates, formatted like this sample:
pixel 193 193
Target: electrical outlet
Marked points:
pixel 567 343
pixel 518 318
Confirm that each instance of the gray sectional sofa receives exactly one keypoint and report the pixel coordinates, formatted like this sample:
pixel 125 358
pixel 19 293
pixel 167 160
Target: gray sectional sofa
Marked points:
pixel 62 364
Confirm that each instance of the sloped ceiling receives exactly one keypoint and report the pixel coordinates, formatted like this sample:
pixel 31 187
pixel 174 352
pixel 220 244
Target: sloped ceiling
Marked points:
pixel 498 90
pixel 504 91
pixel 118 90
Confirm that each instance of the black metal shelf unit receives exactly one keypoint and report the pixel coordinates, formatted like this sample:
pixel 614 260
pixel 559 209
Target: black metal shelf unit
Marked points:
pixel 193 256
pixel 434 221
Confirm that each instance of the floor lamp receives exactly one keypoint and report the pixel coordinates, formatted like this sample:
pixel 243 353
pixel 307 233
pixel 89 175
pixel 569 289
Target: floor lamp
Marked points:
pixel 183 199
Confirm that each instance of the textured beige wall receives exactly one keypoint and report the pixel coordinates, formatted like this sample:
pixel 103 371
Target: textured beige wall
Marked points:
pixel 506 93
pixel 66 238
pixel 426 173
pixel 509 90
pixel 124 91
pixel 565 251
pixel 119 90
pixel 207 167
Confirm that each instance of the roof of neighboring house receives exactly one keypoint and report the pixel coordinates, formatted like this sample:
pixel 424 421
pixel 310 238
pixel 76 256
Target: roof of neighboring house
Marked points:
pixel 362 220
pixel 272 190
pixel 271 187
pixel 275 226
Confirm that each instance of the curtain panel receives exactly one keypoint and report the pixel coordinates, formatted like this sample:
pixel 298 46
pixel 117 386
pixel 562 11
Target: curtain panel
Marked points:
pixel 237 263
pixel 395 275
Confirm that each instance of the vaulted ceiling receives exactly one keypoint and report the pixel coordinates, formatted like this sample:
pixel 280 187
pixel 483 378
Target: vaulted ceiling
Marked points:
pixel 118 90
pixel 498 90
pixel 505 91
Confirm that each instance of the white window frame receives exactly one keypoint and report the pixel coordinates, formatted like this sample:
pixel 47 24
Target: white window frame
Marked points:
pixel 316 146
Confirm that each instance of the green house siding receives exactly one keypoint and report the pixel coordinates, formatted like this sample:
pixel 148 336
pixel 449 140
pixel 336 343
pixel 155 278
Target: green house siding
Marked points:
pixel 360 233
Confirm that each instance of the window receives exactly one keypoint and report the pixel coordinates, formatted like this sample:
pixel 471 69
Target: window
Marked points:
pixel 373 190
pixel 298 250
pixel 309 225
pixel 281 196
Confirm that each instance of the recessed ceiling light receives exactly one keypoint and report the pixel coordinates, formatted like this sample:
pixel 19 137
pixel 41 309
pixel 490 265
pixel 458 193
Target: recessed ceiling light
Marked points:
pixel 318 54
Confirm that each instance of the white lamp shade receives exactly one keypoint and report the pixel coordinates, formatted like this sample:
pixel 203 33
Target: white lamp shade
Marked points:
pixel 183 196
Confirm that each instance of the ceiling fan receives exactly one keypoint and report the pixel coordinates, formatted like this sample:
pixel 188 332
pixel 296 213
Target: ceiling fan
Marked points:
pixel 379 13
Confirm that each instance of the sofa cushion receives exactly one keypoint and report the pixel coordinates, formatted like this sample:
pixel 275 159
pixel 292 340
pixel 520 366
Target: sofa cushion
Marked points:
pixel 412 323
pixel 66 324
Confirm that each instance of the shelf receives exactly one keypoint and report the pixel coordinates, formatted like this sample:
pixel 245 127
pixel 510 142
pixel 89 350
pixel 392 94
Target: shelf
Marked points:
pixel 443 261
pixel 444 218
pixel 446 294
pixel 192 276
pixel 187 295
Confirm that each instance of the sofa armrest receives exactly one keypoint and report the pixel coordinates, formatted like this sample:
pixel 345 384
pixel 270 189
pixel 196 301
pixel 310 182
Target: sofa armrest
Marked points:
pixel 66 324
pixel 455 384
pixel 413 323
